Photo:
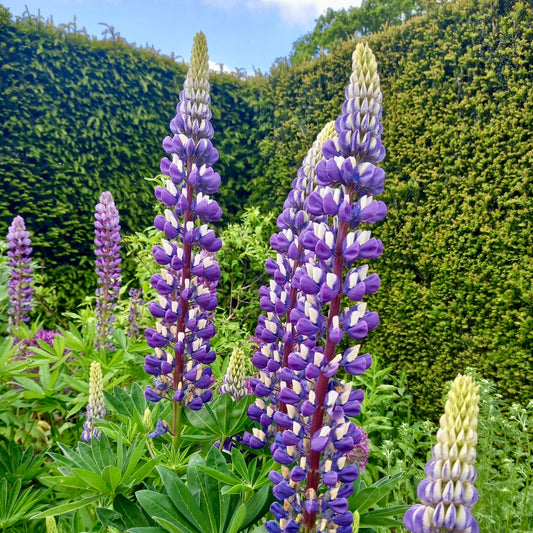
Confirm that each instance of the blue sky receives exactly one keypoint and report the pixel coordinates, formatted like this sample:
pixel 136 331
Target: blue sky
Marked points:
pixel 241 34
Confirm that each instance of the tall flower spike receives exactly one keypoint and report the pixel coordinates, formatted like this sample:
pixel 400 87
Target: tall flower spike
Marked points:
pixel 21 275
pixel 302 405
pixel 96 406
pixel 448 494
pixel 190 273
pixel 107 263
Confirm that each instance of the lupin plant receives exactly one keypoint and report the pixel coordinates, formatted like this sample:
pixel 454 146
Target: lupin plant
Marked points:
pixel 21 275
pixel 107 263
pixel 96 405
pixel 448 494
pixel 190 273
pixel 302 406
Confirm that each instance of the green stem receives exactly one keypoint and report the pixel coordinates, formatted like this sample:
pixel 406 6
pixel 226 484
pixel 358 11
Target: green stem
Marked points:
pixel 176 425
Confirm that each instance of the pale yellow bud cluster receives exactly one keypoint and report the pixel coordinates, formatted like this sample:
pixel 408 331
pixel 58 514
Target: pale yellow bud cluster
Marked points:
pixel 365 78
pixel 236 374
pixel 196 85
pixel 96 406
pixel 96 390
pixel 457 436
pixel 51 526
pixel 306 181
pixel 448 494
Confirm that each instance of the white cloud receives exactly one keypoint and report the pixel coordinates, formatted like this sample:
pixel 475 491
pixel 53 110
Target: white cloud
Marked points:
pixel 297 12
pixel 219 67
pixel 306 11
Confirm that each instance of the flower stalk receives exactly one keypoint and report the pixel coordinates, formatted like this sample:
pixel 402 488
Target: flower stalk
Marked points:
pixel 96 407
pixel 107 263
pixel 20 283
pixel 190 273
pixel 321 266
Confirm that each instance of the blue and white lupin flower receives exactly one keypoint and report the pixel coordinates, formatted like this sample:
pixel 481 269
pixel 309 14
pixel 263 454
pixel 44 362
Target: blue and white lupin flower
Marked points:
pixel 302 407
pixel 189 271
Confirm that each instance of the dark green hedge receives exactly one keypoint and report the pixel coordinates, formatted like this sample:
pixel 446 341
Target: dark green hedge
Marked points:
pixel 458 269
pixel 79 116
pixel 458 120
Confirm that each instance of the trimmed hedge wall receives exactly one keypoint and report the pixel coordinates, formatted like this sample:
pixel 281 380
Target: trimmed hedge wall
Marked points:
pixel 79 116
pixel 458 120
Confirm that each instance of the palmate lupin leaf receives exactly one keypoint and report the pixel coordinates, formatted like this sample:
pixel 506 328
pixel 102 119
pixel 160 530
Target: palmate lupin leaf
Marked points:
pixel 203 504
pixel 16 503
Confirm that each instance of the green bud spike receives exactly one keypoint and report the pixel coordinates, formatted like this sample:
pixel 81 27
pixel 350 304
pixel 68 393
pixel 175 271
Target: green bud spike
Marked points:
pixel 51 526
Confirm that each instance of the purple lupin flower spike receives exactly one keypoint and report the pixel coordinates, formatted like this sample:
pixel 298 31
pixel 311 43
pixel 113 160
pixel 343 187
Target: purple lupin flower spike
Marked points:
pixel 136 304
pixel 190 273
pixel 21 276
pixel 107 263
pixel 300 395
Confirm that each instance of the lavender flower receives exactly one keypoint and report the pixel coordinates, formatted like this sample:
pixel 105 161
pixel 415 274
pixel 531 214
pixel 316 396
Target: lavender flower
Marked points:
pixel 21 276
pixel 448 493
pixel 136 304
pixel 235 378
pixel 96 406
pixel 45 335
pixel 301 403
pixel 190 273
pixel 107 241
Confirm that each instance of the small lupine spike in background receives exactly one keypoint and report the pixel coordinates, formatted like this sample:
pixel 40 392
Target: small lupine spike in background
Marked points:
pixel 96 407
pixel 51 526
pixel 301 401
pixel 236 379
pixel 136 305
pixel 447 495
pixel 21 274
pixel 189 271
pixel 107 263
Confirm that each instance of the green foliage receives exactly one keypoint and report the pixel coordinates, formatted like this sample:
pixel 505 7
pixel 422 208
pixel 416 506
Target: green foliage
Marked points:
pixel 98 469
pixel 17 503
pixel 346 24
pixel 203 504
pixel 243 478
pixel 365 502
pixel 217 421
pixel 242 260
pixel 19 463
